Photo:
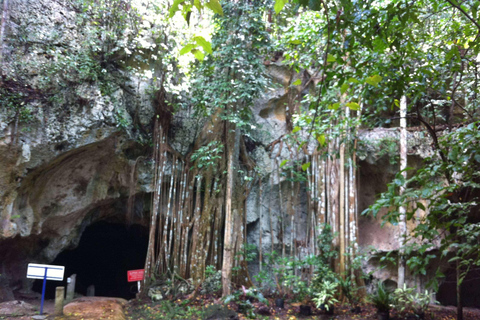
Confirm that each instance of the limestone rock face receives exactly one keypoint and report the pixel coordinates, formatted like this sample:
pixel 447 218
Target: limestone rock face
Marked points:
pixel 76 160
pixel 68 161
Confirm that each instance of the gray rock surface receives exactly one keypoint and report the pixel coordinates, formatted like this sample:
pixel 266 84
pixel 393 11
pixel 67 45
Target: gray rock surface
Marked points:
pixel 70 165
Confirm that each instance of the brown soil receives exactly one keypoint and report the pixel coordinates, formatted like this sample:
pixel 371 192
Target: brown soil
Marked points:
pixel 97 308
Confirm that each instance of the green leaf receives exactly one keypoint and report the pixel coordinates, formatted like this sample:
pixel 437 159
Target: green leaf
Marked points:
pixel 421 206
pixel 439 274
pixel 297 82
pixel 374 80
pixel 353 80
pixel 477 157
pixel 353 106
pixel 344 88
pixel 187 49
pixel 454 259
pixel 334 106
pixel 295 42
pixel 279 4
pixel 331 58
pixel 284 162
pixel 296 129
pixel 198 54
pixel 215 6
pixel 197 5
pixel 207 46
pixel 305 166
pixel 396 102
pixel 174 8
pixel 321 139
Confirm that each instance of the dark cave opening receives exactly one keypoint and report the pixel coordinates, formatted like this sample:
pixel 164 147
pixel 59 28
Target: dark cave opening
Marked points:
pixel 104 255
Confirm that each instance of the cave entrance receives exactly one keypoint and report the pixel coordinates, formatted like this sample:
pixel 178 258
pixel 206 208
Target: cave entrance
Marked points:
pixel 104 255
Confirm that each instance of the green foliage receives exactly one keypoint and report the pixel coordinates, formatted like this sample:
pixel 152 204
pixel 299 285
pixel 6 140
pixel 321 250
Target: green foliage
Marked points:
pixel 289 278
pixel 365 55
pixel 382 298
pixel 294 171
pixel 205 157
pixel 446 189
pixel 213 280
pixel 409 300
pixel 287 270
pixel 349 289
pixel 14 106
pixel 244 299
pixel 247 253
pixel 112 40
pixel 385 146
pixel 325 296
pixel 109 30
pixel 166 309
pixel 323 270
pixel 210 271
pixel 233 76
pixel 187 6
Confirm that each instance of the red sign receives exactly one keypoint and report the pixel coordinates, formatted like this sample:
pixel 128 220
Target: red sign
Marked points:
pixel 135 275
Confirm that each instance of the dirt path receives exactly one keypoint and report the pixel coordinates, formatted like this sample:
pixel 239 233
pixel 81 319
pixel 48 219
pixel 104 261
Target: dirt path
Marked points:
pixel 24 309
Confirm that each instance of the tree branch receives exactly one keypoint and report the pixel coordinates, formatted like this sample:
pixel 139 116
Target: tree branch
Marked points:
pixel 465 14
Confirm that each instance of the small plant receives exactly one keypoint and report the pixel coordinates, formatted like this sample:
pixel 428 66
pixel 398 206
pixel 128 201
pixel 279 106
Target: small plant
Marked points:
pixel 323 270
pixel 381 299
pixel 420 302
pixel 349 290
pixel 409 300
pixel 326 296
pixel 213 280
pixel 244 298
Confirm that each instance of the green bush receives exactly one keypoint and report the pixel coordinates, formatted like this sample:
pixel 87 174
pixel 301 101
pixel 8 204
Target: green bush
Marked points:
pixel 326 295
pixel 381 298
pixel 409 300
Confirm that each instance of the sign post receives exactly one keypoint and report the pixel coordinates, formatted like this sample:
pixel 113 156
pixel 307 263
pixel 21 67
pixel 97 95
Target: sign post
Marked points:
pixel 45 272
pixel 135 275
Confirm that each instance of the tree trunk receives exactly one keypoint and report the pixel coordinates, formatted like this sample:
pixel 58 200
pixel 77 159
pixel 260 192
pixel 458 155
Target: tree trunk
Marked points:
pixel 402 210
pixel 459 292
pixel 2 34
pixel 341 211
pixel 229 218
pixel 260 251
pixel 333 197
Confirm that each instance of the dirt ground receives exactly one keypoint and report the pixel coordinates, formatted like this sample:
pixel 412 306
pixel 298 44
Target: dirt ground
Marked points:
pixel 85 308
pixel 145 310
pixel 98 308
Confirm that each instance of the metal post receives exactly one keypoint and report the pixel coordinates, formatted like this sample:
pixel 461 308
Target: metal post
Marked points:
pixel 43 290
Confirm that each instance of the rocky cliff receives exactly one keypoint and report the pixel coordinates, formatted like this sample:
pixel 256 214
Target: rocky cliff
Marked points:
pixel 71 154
